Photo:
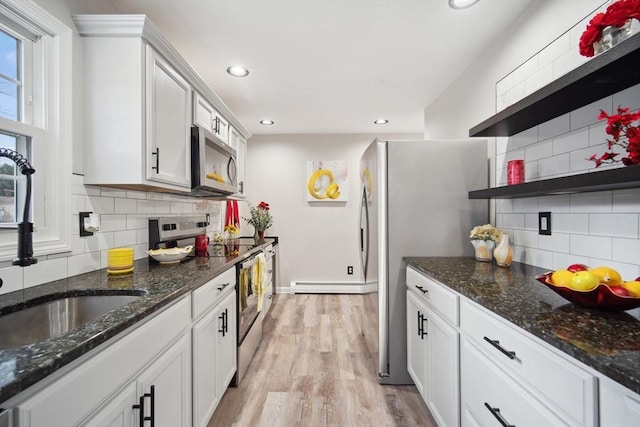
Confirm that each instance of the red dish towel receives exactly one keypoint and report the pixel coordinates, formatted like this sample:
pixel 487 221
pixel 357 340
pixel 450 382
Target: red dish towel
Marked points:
pixel 232 216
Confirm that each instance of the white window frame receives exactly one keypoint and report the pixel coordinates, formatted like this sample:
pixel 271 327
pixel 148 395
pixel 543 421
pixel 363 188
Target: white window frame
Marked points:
pixel 50 129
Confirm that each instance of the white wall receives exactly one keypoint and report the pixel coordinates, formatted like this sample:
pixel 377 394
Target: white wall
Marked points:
pixel 599 228
pixel 317 241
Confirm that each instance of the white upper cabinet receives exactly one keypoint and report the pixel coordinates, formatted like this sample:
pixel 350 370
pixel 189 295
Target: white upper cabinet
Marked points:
pixel 140 99
pixel 168 128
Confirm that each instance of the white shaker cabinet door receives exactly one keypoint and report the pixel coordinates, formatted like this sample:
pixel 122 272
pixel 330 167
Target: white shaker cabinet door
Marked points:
pixel 417 342
pixel 442 375
pixel 166 386
pixel 118 412
pixel 168 124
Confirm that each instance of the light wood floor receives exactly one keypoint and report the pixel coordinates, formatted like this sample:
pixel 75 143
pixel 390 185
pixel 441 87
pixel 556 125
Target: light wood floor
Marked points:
pixel 315 367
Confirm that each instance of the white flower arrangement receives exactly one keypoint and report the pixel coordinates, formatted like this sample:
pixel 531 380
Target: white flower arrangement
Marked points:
pixel 486 232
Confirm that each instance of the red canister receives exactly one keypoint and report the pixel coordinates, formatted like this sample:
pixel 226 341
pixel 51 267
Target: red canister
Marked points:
pixel 515 172
pixel 202 241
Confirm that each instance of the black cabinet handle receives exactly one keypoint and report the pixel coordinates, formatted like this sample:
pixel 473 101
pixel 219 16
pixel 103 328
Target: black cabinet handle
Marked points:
pixel 496 413
pixel 510 354
pixel 152 418
pixel 157 154
pixel 421 331
pixel 423 290
pixel 140 406
pixel 225 322
pixel 221 330
pixel 224 285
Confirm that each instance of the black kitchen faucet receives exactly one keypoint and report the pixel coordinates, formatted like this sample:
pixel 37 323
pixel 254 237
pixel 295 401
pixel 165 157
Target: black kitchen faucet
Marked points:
pixel 25 228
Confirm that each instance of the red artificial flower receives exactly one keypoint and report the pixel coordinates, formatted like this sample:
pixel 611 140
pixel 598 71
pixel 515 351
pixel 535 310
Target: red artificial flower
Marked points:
pixel 263 205
pixel 624 134
pixel 616 14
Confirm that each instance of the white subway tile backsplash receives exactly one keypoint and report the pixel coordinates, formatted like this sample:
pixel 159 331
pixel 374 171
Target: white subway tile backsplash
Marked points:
pixel 571 141
pixel 614 225
pixel 558 242
pixel 627 251
pixel 540 150
pixel 554 204
pixel 626 200
pixel 113 222
pixel 78 245
pixel 101 205
pixel 563 260
pixel 176 208
pixel 91 190
pixel 125 206
pixel 531 221
pixel 599 202
pixel 526 205
pixel 598 134
pixel 100 241
pixel 137 221
pixel 588 115
pixel 525 70
pixel 527 137
pixel 570 223
pixel 553 166
pixel 45 271
pixel 536 81
pixel 554 50
pixel 142 237
pixel 504 84
pixel 132 194
pixel 85 263
pixel 629 97
pixel 125 238
pixel 112 192
pixel 146 206
pixel 154 196
pixel 554 127
pixel 12 279
pixel 538 257
pixel 163 206
pixel 513 220
pixel 504 205
pixel 591 246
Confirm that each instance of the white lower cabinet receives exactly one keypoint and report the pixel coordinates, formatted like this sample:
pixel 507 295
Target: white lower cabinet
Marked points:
pixel 491 398
pixel 103 389
pixel 160 396
pixel 432 355
pixel 214 358
pixel 474 368
pixel 619 406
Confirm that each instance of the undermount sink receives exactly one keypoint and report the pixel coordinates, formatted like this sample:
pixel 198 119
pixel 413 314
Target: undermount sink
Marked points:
pixel 54 315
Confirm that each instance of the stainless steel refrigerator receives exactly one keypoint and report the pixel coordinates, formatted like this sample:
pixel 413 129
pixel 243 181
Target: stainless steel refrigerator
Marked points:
pixel 414 202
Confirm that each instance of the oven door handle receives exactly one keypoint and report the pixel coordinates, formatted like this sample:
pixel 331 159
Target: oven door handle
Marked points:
pixel 248 264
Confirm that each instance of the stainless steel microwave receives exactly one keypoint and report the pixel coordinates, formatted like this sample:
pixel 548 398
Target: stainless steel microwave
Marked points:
pixel 213 165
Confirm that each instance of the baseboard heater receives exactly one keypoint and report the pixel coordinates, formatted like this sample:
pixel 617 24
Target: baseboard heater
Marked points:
pixel 315 287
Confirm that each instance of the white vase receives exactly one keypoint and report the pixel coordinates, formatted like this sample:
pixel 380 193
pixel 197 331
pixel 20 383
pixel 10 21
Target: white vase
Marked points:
pixel 503 253
pixel 484 249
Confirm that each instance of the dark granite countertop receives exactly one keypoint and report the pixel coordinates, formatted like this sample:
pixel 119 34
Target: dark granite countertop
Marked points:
pixel 608 342
pixel 24 366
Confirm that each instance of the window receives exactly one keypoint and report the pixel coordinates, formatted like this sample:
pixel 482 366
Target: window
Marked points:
pixel 35 121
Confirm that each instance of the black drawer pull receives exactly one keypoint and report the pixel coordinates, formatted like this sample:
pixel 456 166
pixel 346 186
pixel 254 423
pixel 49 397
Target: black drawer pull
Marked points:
pixel 496 413
pixel 423 290
pixel 510 354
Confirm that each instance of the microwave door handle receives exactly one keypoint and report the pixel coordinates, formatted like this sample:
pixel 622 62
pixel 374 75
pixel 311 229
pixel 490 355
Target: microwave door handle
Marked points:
pixel 232 170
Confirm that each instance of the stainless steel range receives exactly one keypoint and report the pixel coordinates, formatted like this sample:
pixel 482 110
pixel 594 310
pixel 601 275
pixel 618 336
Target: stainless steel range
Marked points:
pixel 251 305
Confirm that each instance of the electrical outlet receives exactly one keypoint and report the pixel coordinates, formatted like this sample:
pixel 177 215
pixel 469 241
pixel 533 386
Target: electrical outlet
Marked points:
pixel 350 269
pixel 544 223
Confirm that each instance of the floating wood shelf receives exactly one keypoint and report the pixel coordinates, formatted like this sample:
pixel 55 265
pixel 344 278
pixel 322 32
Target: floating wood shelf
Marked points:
pixel 610 179
pixel 608 73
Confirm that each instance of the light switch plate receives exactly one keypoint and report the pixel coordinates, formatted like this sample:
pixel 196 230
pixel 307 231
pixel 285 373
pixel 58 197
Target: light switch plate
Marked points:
pixel 544 223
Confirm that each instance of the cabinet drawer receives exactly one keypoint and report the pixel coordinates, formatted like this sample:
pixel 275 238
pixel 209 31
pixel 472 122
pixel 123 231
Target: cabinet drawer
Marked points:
pixel 489 395
pixel 434 294
pixel 207 295
pixel 561 385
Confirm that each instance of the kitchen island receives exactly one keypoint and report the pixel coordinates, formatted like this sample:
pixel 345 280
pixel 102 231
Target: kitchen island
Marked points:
pixel 607 342
pixel 25 366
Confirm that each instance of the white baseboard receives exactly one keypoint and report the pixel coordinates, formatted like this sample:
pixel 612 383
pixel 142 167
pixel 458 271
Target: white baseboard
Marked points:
pixel 307 287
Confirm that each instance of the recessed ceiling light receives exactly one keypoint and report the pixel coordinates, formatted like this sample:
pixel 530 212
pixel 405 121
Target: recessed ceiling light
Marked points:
pixel 266 122
pixel 462 4
pixel 238 71
pixel 381 121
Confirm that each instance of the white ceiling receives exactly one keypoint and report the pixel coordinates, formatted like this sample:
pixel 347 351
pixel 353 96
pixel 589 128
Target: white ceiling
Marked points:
pixel 325 66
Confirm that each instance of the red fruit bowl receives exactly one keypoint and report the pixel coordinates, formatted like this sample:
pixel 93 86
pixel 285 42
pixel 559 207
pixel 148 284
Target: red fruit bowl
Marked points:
pixel 600 298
